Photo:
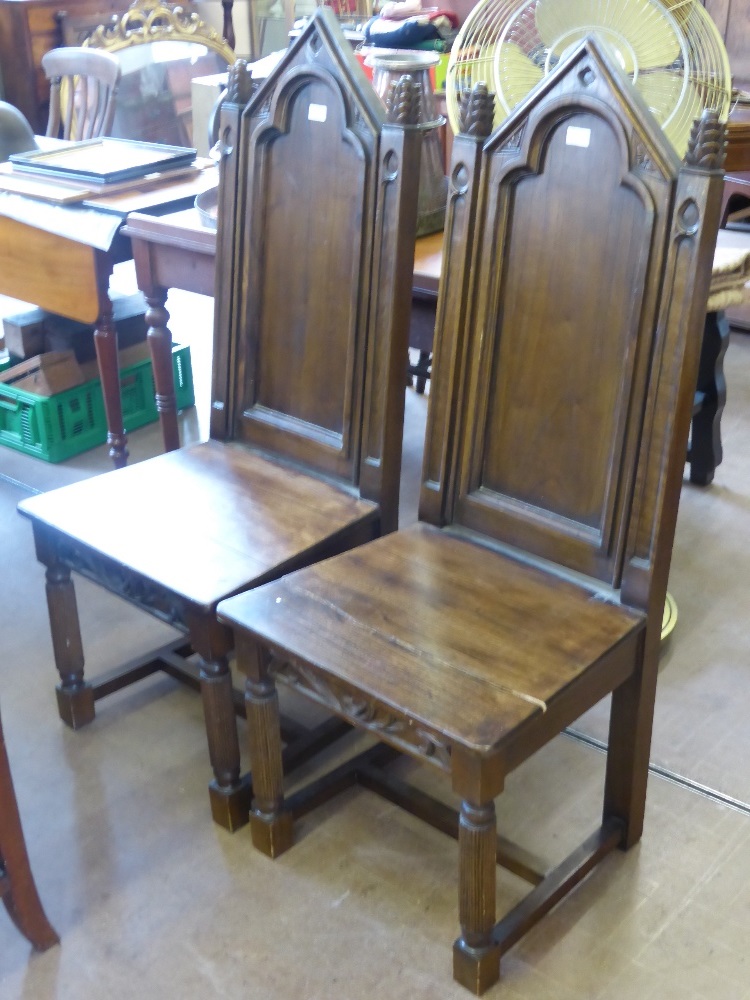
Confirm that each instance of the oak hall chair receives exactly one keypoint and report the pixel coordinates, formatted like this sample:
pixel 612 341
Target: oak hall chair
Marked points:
pixel 17 887
pixel 83 92
pixel 576 266
pixel 315 240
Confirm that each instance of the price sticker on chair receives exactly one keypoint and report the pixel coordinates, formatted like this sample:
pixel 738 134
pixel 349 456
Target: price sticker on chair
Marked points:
pixel 317 112
pixel 577 136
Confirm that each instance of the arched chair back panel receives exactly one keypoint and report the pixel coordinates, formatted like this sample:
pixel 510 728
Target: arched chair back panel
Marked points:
pixel 576 265
pixel 161 47
pixel 306 422
pixel 314 140
pixel 83 92
pixel 543 360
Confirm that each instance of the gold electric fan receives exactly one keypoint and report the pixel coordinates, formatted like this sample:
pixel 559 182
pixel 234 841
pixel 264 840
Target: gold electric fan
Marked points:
pixel 670 49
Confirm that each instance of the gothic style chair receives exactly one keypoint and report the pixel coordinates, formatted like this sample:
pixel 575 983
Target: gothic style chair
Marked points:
pixel 315 243
pixel 576 267
pixel 83 92
pixel 17 888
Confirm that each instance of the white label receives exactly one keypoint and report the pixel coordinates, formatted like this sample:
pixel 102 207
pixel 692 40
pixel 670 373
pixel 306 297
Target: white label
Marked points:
pixel 577 136
pixel 317 112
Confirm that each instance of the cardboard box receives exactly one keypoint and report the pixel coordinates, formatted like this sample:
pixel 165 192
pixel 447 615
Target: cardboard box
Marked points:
pixel 46 374
pixel 24 333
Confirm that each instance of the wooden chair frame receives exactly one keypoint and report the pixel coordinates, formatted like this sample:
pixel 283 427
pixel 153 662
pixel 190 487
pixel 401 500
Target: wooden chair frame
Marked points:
pixel 83 92
pixel 329 448
pixel 534 589
pixel 17 887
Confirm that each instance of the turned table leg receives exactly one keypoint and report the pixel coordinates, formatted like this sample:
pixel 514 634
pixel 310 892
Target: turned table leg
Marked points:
pixel 705 436
pixel 160 343
pixel 105 342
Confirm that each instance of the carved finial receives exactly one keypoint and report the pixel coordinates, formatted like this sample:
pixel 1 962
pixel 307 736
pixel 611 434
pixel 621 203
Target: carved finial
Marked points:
pixel 240 83
pixel 477 111
pixel 404 101
pixel 708 142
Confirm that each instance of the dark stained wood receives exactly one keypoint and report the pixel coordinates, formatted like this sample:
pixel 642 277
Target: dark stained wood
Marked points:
pixel 308 394
pixel 17 887
pixel 705 451
pixel 178 252
pixel 83 91
pixel 575 276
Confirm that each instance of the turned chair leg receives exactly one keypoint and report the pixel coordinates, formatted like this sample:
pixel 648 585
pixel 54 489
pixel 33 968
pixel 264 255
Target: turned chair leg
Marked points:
pixel 476 957
pixel 75 697
pixel 270 823
pixel 229 795
pixel 17 886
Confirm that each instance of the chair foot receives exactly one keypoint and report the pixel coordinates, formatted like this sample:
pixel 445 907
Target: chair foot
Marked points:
pixel 76 705
pixel 230 807
pixel 476 968
pixel 272 834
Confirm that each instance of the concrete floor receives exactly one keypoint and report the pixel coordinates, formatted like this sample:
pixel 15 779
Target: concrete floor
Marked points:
pixel 151 899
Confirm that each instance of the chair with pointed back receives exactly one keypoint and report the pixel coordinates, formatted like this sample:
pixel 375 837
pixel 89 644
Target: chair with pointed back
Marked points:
pixel 576 266
pixel 83 92
pixel 315 241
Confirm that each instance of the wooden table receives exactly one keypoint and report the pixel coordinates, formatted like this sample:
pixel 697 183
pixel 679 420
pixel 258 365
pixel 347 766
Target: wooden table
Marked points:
pixel 178 251
pixel 71 278
pixel 172 251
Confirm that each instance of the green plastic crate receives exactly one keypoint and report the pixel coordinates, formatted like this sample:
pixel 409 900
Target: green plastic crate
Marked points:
pixel 58 427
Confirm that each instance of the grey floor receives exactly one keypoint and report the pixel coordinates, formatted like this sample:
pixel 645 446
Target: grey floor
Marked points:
pixel 151 899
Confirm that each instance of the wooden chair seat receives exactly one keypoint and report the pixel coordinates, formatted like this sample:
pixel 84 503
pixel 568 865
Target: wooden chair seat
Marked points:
pixel 438 636
pixel 228 518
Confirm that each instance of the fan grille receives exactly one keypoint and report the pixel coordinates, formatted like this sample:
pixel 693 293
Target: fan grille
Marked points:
pixel 670 49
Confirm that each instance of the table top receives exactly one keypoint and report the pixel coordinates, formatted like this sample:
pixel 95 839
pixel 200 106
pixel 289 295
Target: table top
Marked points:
pixel 96 220
pixel 428 260
pixel 183 229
